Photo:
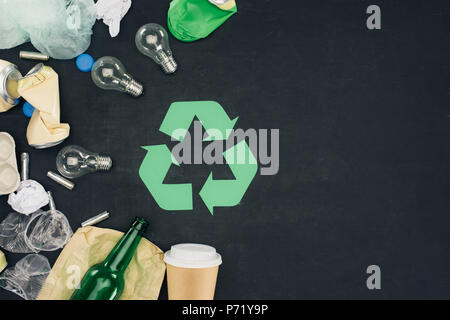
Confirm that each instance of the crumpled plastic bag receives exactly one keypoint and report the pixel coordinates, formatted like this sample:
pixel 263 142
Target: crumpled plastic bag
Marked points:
pixel 190 20
pixel 111 12
pixel 40 231
pixel 27 277
pixel 90 246
pixel 61 29
pixel 29 197
pixel 12 34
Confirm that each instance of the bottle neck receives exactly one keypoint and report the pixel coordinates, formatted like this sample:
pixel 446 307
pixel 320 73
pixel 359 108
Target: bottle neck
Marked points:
pixel 123 252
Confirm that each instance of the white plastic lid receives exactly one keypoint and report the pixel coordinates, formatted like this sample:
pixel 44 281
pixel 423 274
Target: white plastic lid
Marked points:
pixel 192 255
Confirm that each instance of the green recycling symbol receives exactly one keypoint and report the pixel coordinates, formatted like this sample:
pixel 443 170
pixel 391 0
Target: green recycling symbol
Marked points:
pixel 214 193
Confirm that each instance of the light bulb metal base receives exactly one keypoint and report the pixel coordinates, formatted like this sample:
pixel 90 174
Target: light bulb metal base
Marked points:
pixel 104 163
pixel 134 88
pixel 169 65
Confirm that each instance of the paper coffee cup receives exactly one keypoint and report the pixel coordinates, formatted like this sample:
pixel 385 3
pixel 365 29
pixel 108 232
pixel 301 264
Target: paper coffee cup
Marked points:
pixel 192 271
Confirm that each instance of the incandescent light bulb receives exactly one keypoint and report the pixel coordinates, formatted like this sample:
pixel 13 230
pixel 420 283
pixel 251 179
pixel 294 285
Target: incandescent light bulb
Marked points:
pixel 74 161
pixel 152 40
pixel 110 74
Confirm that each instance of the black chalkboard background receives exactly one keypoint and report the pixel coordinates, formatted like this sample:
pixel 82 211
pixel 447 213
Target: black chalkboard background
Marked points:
pixel 364 145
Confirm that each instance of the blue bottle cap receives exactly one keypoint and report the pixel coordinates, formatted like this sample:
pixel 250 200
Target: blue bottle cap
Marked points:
pixel 27 109
pixel 84 62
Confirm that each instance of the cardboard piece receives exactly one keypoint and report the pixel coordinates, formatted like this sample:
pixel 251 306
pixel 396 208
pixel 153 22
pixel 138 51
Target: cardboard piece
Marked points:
pixel 9 175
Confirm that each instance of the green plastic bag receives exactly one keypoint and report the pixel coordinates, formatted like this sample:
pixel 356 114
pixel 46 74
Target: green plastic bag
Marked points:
pixel 190 20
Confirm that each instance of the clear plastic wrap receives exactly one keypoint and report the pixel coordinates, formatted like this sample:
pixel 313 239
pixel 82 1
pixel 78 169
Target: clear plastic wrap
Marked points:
pixel 61 29
pixel 27 277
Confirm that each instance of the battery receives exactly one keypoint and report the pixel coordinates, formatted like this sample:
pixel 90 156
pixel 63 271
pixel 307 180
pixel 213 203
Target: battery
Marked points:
pixel 94 220
pixel 61 180
pixel 29 55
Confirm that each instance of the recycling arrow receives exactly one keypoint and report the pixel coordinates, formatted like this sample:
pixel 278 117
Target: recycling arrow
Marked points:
pixel 227 193
pixel 211 114
pixel 153 170
pixel 214 193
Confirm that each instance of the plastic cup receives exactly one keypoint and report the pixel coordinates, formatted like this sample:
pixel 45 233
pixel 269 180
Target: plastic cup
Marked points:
pixel 192 271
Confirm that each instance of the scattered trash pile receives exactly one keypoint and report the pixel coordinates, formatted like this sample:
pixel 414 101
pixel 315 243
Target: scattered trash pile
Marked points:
pixel 62 29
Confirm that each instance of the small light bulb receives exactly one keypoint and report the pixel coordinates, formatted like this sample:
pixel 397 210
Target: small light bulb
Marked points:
pixel 152 40
pixel 110 74
pixel 74 161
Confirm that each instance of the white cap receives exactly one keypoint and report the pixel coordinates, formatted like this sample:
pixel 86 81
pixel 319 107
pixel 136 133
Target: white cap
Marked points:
pixel 192 255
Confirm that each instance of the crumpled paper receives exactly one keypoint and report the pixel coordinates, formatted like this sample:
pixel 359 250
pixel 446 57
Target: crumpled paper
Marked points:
pixel 112 12
pixel 90 246
pixel 29 197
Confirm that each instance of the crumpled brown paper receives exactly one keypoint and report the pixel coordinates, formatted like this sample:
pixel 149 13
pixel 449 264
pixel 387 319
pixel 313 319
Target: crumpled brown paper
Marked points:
pixel 90 246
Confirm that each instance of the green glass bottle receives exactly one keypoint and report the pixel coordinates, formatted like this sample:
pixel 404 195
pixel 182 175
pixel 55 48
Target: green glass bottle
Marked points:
pixel 105 281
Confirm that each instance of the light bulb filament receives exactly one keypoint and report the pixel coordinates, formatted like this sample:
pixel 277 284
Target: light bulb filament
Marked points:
pixel 151 39
pixel 107 72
